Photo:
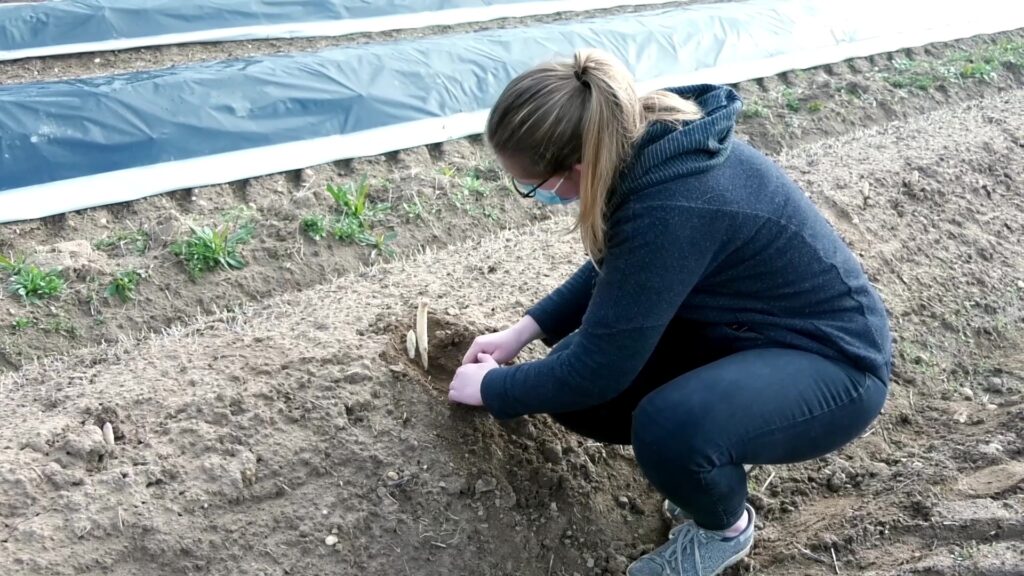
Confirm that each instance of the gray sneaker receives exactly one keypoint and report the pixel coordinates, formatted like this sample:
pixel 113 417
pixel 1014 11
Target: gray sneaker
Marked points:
pixel 694 551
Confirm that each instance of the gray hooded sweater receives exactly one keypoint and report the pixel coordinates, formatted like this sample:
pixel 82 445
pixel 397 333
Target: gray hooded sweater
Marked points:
pixel 702 228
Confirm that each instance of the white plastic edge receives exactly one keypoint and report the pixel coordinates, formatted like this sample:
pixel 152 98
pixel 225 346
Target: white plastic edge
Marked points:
pixel 135 183
pixel 333 27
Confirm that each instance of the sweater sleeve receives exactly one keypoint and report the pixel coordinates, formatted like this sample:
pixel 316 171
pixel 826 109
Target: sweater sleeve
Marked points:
pixel 561 312
pixel 653 258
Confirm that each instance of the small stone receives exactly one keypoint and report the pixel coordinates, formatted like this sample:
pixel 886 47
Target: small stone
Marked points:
pixel 960 417
pixel 877 469
pixel 357 376
pixel 331 540
pixel 836 482
pixel 552 453
pixel 485 484
pixel 991 407
pixel 391 476
pixel 623 502
pixel 617 564
pixel 520 427
pixel 992 449
pixel 967 393
pixel 87 444
pixel 37 444
pixel 553 508
pixel 590 562
pixel 994 384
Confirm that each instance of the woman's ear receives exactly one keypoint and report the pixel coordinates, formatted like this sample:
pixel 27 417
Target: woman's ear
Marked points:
pixel 577 169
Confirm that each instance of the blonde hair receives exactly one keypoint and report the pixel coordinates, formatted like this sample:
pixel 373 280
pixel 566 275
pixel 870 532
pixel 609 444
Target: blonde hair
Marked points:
pixel 585 111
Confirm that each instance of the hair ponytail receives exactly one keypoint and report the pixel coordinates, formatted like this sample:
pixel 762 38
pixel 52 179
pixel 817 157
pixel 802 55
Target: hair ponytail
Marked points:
pixel 583 112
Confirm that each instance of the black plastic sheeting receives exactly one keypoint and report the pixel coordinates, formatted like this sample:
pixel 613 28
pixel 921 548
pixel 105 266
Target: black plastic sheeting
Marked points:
pixel 60 130
pixel 74 22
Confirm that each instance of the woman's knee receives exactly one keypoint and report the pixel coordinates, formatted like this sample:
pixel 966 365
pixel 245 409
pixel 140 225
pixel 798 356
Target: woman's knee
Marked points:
pixel 664 430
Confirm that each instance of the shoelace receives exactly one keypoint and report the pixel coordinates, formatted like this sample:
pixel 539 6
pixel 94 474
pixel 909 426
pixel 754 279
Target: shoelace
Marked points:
pixel 686 535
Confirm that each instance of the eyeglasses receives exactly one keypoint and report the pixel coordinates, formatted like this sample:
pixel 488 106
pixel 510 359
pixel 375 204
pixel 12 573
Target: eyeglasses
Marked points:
pixel 528 191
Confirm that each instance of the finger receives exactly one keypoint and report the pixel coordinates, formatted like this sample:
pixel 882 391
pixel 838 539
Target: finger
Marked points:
pixel 471 354
pixel 485 358
pixel 454 396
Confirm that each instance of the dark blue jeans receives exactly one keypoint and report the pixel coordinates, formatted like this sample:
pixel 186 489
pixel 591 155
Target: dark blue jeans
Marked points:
pixel 695 416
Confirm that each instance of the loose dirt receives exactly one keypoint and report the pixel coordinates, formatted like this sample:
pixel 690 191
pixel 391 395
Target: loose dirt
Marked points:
pixel 293 435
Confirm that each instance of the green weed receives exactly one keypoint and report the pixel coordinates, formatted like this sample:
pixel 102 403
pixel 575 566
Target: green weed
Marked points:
pixel 315 225
pixel 22 323
pixel 241 215
pixel 983 70
pixel 354 201
pixel 474 185
pixel 347 228
pixel 135 241
pixel 123 285
pixel 357 215
pixel 381 243
pixel 754 110
pixel 815 106
pixel 447 171
pixel 30 282
pixel 12 266
pixel 413 210
pixel 790 99
pixel 984 63
pixel 210 248
pixel 62 326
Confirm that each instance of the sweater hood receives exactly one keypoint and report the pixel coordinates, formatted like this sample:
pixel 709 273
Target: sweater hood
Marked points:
pixel 666 152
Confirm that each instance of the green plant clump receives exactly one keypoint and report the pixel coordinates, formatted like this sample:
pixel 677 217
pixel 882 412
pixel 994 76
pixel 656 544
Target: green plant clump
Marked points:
pixel 791 100
pixel 124 284
pixel 22 323
pixel 210 248
pixel 474 185
pixel 355 218
pixel 315 226
pixel 137 241
pixel 354 202
pixel 30 282
pixel 381 242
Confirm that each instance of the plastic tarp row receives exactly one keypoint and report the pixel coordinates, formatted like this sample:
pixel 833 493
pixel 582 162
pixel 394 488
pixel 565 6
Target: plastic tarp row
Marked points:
pixel 77 26
pixel 82 143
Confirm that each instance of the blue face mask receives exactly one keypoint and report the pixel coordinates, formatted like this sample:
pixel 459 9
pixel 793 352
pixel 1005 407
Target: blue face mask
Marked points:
pixel 549 198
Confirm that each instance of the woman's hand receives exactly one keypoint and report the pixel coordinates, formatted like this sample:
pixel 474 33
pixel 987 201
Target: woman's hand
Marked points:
pixel 504 346
pixel 465 387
